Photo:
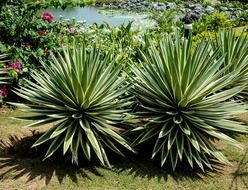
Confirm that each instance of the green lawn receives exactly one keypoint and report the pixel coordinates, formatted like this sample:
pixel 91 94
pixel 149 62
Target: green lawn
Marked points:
pixel 22 168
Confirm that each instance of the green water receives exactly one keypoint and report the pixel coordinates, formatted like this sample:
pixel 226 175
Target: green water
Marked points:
pixel 93 15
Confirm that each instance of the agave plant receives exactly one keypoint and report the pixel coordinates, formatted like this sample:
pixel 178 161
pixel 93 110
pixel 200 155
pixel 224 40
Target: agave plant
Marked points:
pixel 3 71
pixel 3 75
pixel 235 50
pixel 183 107
pixel 84 94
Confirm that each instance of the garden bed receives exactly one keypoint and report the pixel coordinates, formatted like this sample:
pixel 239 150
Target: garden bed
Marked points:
pixel 172 92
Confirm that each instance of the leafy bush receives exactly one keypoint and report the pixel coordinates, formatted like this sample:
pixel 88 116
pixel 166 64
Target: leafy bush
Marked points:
pixel 27 38
pixel 183 107
pixel 241 19
pixel 197 39
pixel 122 40
pixel 83 93
pixel 167 21
pixel 65 3
pixel 212 22
pixel 234 4
pixel 68 3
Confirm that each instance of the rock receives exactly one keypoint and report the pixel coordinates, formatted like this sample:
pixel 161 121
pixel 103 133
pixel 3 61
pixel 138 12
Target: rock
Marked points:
pixel 223 9
pixel 161 4
pixel 171 5
pixel 230 17
pixel 195 16
pixel 237 12
pixel 183 9
pixel 161 8
pixel 199 10
pixel 209 9
pixel 193 6
pixel 145 3
pixel 181 5
pixel 195 9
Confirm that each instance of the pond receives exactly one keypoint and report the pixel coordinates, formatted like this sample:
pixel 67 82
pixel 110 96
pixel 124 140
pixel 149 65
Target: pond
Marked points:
pixel 94 15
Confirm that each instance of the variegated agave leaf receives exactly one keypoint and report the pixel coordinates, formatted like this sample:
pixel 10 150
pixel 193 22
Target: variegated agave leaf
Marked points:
pixel 84 94
pixel 235 49
pixel 3 71
pixel 180 92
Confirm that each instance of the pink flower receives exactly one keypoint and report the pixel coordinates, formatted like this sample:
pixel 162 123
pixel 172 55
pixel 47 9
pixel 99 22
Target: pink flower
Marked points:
pixel 15 65
pixel 46 16
pixel 3 91
pixel 41 32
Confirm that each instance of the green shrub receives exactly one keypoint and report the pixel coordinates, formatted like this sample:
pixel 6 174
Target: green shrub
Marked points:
pixel 84 94
pixel 67 3
pixel 241 19
pixel 218 21
pixel 122 40
pixel 167 21
pixel 27 37
pixel 197 39
pixel 183 107
pixel 212 22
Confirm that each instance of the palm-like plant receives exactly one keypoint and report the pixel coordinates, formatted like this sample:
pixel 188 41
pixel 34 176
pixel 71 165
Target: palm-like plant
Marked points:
pixel 3 75
pixel 83 93
pixel 235 50
pixel 3 71
pixel 182 102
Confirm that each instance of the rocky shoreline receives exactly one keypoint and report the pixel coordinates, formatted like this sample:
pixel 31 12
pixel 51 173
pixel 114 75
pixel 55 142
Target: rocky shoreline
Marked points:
pixel 143 5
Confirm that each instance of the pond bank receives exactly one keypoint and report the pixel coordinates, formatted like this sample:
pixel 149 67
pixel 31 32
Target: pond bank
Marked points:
pixel 144 5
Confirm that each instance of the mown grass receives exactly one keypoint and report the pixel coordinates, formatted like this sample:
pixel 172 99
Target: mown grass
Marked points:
pixel 22 168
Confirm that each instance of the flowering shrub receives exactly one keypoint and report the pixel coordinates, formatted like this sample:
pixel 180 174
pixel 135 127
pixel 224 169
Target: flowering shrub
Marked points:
pixel 28 38
pixel 46 16
pixel 41 32
pixel 15 69
pixel 14 65
pixel 3 91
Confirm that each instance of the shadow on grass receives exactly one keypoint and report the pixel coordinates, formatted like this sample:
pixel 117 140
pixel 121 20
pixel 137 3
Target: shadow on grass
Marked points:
pixel 240 176
pixel 142 165
pixel 17 159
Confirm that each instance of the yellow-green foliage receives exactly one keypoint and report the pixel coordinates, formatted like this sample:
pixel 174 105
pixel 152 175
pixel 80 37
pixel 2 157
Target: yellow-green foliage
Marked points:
pixel 205 34
pixel 219 20
pixel 242 31
pixel 214 22
pixel 212 35
pixel 211 2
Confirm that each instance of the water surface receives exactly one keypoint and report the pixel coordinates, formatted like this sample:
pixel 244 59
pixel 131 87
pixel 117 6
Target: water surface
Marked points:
pixel 93 15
